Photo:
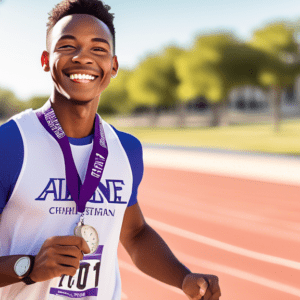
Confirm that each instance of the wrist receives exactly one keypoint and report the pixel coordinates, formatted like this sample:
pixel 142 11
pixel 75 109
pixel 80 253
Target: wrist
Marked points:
pixel 188 272
pixel 8 274
pixel 185 273
pixel 26 278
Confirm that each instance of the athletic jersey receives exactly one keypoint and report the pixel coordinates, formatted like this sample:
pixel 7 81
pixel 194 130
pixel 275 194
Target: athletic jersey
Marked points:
pixel 36 205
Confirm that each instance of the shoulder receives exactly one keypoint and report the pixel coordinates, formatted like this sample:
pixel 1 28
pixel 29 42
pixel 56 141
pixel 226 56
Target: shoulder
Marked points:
pixel 11 159
pixel 11 142
pixel 132 147
pixel 134 151
pixel 11 146
pixel 128 141
pixel 9 135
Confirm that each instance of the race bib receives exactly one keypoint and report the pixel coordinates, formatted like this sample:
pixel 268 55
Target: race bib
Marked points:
pixel 84 284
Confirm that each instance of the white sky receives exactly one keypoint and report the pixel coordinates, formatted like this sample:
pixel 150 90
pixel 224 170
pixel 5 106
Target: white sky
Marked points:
pixel 141 26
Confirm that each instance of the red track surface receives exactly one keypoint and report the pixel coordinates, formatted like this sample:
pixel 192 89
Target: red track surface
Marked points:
pixel 252 215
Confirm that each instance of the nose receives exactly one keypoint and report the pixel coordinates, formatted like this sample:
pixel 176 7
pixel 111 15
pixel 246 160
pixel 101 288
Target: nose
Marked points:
pixel 82 58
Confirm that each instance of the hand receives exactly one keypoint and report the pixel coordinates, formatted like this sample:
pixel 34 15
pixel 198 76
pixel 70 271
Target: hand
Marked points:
pixel 59 255
pixel 201 286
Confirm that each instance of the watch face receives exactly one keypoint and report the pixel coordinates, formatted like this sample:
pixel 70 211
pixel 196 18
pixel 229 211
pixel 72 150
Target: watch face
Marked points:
pixel 90 235
pixel 22 265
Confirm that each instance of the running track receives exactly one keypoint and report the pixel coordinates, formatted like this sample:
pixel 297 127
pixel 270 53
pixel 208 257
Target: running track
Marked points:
pixel 218 219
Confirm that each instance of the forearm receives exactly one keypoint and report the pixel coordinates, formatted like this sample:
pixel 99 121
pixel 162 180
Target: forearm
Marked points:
pixel 152 255
pixel 7 273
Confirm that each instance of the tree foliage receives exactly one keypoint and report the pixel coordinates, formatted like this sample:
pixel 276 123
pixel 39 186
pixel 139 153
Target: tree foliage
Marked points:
pixel 216 64
pixel 36 102
pixel 281 66
pixel 154 81
pixel 115 98
pixel 277 41
pixel 9 104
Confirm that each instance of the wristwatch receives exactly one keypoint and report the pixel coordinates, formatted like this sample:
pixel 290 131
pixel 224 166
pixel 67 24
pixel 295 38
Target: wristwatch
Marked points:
pixel 23 267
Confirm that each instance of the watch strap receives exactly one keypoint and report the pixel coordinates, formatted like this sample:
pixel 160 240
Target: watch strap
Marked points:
pixel 27 278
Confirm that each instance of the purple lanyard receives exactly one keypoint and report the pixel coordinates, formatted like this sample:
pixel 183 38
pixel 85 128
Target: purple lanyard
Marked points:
pixel 81 193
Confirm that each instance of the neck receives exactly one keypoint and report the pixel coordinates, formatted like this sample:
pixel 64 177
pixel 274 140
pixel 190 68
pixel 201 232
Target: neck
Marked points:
pixel 76 118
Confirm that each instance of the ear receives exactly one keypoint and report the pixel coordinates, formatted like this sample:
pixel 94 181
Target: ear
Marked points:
pixel 115 67
pixel 45 61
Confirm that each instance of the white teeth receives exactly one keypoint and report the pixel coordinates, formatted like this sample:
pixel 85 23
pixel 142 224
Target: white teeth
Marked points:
pixel 82 76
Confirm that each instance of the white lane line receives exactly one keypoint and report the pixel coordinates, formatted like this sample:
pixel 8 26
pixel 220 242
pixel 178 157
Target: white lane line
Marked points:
pixel 237 273
pixel 201 263
pixel 224 246
pixel 266 168
pixel 124 265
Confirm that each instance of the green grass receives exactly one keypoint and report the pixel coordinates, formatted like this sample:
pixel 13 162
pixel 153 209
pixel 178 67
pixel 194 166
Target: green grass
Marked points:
pixel 254 137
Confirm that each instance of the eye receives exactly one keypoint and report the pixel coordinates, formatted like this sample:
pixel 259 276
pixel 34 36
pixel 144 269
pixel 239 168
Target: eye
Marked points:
pixel 99 49
pixel 66 46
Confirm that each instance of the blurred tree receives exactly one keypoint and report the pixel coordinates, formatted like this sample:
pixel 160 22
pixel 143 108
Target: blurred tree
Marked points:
pixel 296 26
pixel 279 70
pixel 216 64
pixel 36 102
pixel 154 82
pixel 9 104
pixel 115 97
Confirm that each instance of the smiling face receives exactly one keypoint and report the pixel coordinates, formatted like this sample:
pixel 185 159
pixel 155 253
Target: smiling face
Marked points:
pixel 81 59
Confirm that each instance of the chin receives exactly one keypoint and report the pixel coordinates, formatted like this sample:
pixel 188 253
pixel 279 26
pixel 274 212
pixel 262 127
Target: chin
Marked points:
pixel 81 99
pixel 76 96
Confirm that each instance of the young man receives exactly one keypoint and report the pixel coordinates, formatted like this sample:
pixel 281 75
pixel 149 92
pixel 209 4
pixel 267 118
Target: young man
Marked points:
pixel 63 160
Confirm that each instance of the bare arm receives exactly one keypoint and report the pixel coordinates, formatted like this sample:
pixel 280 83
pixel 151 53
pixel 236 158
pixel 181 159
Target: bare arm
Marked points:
pixel 148 250
pixel 7 274
pixel 58 255
pixel 152 256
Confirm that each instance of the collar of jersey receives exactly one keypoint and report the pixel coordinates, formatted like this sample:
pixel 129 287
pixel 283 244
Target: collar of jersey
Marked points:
pixel 81 142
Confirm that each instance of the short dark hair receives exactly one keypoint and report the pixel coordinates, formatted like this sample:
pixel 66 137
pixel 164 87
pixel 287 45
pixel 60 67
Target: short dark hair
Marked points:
pixel 94 8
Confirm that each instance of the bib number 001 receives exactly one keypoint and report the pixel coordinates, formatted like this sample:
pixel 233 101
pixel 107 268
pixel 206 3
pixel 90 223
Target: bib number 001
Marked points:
pixel 85 272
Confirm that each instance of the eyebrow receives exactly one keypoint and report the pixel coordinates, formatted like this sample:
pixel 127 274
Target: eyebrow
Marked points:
pixel 71 37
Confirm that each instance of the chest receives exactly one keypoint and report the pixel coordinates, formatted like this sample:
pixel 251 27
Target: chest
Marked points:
pixel 41 199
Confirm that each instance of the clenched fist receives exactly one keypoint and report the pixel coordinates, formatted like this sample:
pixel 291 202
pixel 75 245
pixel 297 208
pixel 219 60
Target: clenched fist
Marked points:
pixel 59 255
pixel 201 286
